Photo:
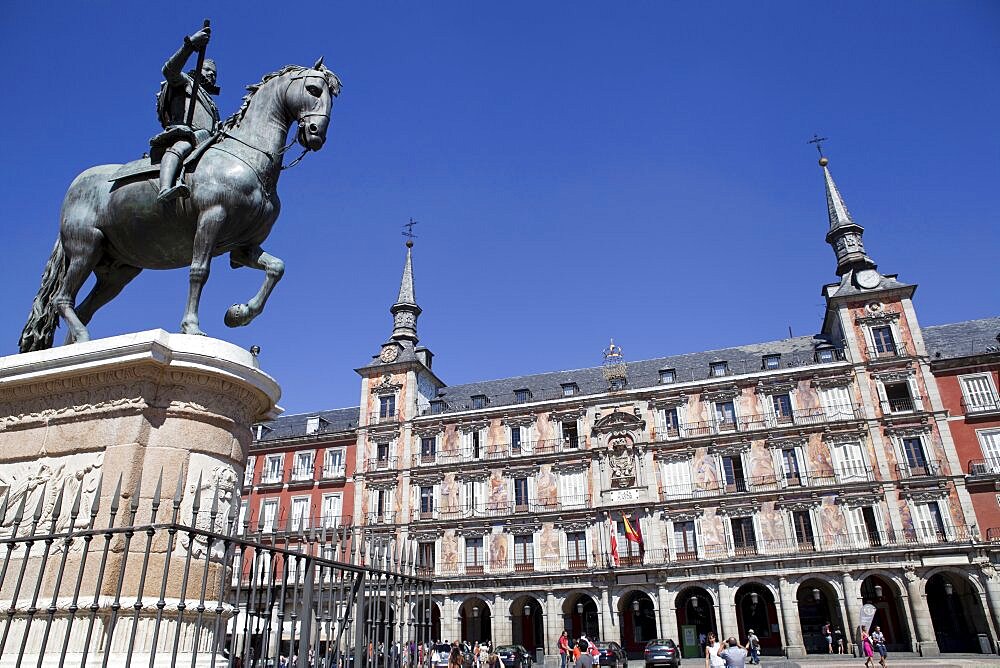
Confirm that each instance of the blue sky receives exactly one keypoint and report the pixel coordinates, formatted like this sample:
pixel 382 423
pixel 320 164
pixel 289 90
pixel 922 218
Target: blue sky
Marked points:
pixel 579 170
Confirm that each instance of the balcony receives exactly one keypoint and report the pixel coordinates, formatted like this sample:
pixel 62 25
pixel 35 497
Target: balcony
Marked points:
pixel 984 467
pixel 386 517
pixel 993 535
pixel 759 422
pixel 524 565
pixel 377 418
pixel 926 469
pixel 769 483
pixel 381 464
pixel 577 564
pixel 302 475
pixel 333 472
pixel 981 406
pixel 890 351
pixel 901 405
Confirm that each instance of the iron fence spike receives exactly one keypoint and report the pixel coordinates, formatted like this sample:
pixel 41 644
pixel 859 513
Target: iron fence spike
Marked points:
pixel 157 491
pixel 116 497
pixel 95 503
pixel 3 505
pixel 37 515
pixel 57 507
pixel 213 513
pixel 196 503
pixel 134 501
pixel 179 490
pixel 74 511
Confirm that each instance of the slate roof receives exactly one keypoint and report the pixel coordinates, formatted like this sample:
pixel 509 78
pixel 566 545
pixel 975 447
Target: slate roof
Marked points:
pixel 960 339
pixel 331 422
pixel 645 373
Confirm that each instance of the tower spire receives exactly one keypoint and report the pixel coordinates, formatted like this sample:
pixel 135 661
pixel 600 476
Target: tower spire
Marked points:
pixel 405 311
pixel 845 235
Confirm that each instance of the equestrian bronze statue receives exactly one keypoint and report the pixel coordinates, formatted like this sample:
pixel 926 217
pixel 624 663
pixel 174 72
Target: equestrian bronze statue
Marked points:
pixel 115 220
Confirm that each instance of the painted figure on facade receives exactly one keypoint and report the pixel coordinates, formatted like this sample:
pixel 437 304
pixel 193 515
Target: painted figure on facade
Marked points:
pixel 183 95
pixel 114 222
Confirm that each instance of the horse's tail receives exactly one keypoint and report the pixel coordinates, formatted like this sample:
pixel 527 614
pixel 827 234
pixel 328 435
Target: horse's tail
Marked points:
pixel 41 326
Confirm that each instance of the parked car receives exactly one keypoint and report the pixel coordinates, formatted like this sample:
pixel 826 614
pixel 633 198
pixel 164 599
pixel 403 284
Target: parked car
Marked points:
pixel 612 655
pixel 514 656
pixel 662 652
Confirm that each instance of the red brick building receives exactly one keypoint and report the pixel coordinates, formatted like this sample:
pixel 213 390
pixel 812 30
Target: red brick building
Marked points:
pixel 965 359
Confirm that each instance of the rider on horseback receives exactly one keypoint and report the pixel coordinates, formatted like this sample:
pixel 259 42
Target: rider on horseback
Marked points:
pixel 180 135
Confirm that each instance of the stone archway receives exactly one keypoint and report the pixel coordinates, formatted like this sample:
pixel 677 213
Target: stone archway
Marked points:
pixel 695 618
pixel 429 616
pixel 956 612
pixel 477 620
pixel 819 605
pixel 755 610
pixel 527 623
pixel 890 613
pixel 582 616
pixel 637 621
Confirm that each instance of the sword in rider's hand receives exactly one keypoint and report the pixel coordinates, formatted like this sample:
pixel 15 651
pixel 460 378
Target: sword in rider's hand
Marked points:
pixel 196 83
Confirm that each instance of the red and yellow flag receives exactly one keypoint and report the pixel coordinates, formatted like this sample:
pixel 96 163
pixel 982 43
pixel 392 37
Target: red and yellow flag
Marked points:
pixel 614 544
pixel 633 534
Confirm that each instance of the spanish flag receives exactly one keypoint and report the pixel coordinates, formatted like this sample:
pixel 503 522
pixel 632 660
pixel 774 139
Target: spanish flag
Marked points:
pixel 632 534
pixel 614 544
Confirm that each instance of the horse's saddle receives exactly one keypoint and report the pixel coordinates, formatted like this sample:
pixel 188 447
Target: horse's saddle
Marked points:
pixel 147 165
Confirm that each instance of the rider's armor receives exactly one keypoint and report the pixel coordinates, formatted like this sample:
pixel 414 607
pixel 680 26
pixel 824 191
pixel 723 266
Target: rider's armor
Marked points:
pixel 178 139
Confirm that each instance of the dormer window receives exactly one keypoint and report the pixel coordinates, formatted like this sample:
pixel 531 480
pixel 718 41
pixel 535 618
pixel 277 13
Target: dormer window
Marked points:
pixel 718 369
pixel 618 384
pixel 312 425
pixel 667 376
pixel 259 431
pixel 437 406
pixel 478 401
pixel 569 389
pixel 824 355
pixel 522 396
pixel 771 362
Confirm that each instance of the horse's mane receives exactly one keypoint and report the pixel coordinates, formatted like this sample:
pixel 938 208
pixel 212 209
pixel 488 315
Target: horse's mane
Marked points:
pixel 332 81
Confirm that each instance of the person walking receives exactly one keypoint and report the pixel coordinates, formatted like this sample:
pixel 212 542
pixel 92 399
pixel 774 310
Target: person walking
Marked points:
pixel 712 649
pixel 563 644
pixel 828 637
pixel 585 660
pixel 735 655
pixel 753 646
pixel 838 640
pixel 878 640
pixel 866 648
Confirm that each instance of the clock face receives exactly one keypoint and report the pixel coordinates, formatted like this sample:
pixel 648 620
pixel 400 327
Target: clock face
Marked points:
pixel 389 353
pixel 868 278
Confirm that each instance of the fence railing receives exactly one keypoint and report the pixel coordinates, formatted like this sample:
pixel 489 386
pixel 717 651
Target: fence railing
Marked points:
pixel 887 351
pixel 107 577
pixel 989 466
pixel 920 469
pixel 980 404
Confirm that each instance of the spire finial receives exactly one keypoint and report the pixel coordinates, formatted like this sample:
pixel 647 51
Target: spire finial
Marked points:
pixel 408 232
pixel 405 310
pixel 823 162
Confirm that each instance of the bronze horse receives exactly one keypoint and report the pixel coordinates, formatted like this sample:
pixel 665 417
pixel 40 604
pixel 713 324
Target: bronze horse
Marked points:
pixel 117 229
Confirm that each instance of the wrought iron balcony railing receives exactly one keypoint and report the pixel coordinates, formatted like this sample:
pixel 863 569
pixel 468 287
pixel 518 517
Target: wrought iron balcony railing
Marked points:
pixel 984 466
pixel 980 405
pixel 888 351
pixel 921 469
pixel 901 405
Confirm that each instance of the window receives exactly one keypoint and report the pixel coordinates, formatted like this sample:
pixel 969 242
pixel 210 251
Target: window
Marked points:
pixel 382 453
pixel 802 523
pixel 332 510
pixel 521 494
pixel 474 443
pixel 732 471
pixel 848 462
pixel 837 402
pixel 387 406
pixel 989 443
pixel 671 423
pixel 569 389
pixel 524 553
pixel 478 401
pixel 676 478
pixel 617 384
pixel 571 437
pixel 425 557
pixel 300 513
pixel 930 522
pixel 718 369
pixel 244 510
pixel 515 439
pixel 978 394
pixel 790 466
pixel 913 451
pixel 824 355
pixel 863 527
pixel 475 495
pixel 898 398
pixel 333 463
pixel 426 501
pixel 576 549
pixel 437 406
pixel 474 555
pixel 782 405
pixel 273 469
pixel 770 362
pixel 248 474
pixel 885 343
pixel 573 489
pixel 302 469
pixel 685 545
pixel 268 514
pixel 744 539
pixel 668 376
pixel 312 425
pixel 725 415
pixel 628 551
pixel 522 396
pixel 428 448
pixel 258 431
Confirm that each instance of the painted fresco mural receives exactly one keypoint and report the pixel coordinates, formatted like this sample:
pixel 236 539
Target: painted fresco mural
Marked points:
pixel 544 429
pixel 450 441
pixel 694 411
pixel 832 518
pixel 548 547
pixel 496 439
pixel 906 519
pixel 713 533
pixel 807 397
pixel 706 475
pixel 450 502
pixel 761 464
pixel 449 552
pixel 818 456
pixel 547 486
pixel 498 493
pixel 498 550
pixel 772 526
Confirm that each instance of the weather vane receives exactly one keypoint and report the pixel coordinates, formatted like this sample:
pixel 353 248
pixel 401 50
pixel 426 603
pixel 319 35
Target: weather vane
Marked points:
pixel 819 143
pixel 408 232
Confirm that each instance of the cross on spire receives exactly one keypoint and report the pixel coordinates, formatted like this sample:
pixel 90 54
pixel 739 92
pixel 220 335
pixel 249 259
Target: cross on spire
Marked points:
pixel 408 232
pixel 819 143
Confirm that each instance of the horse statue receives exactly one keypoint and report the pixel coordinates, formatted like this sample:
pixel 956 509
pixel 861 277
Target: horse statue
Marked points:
pixel 113 226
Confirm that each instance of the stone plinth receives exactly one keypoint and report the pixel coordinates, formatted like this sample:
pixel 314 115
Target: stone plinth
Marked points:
pixel 143 409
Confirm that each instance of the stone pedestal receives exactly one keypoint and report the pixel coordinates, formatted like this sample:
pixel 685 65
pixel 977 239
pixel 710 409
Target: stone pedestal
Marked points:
pixel 140 411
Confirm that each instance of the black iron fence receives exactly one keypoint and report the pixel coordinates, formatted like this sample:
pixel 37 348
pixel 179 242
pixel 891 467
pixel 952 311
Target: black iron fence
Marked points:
pixel 126 579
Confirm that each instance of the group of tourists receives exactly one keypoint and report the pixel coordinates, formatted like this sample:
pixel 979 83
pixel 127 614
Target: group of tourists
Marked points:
pixel 871 643
pixel 731 654
pixel 582 652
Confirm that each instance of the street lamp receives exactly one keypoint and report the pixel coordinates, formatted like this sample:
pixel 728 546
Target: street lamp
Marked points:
pixel 694 601
pixel 527 611
pixel 878 591
pixel 754 597
pixel 635 606
pixel 579 608
pixel 475 611
pixel 949 589
pixel 816 594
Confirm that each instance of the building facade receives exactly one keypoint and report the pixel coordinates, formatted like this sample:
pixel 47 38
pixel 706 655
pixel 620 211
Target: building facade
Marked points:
pixel 774 486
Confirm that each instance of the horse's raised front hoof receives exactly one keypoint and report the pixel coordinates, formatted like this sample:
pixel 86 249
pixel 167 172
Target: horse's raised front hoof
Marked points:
pixel 238 315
